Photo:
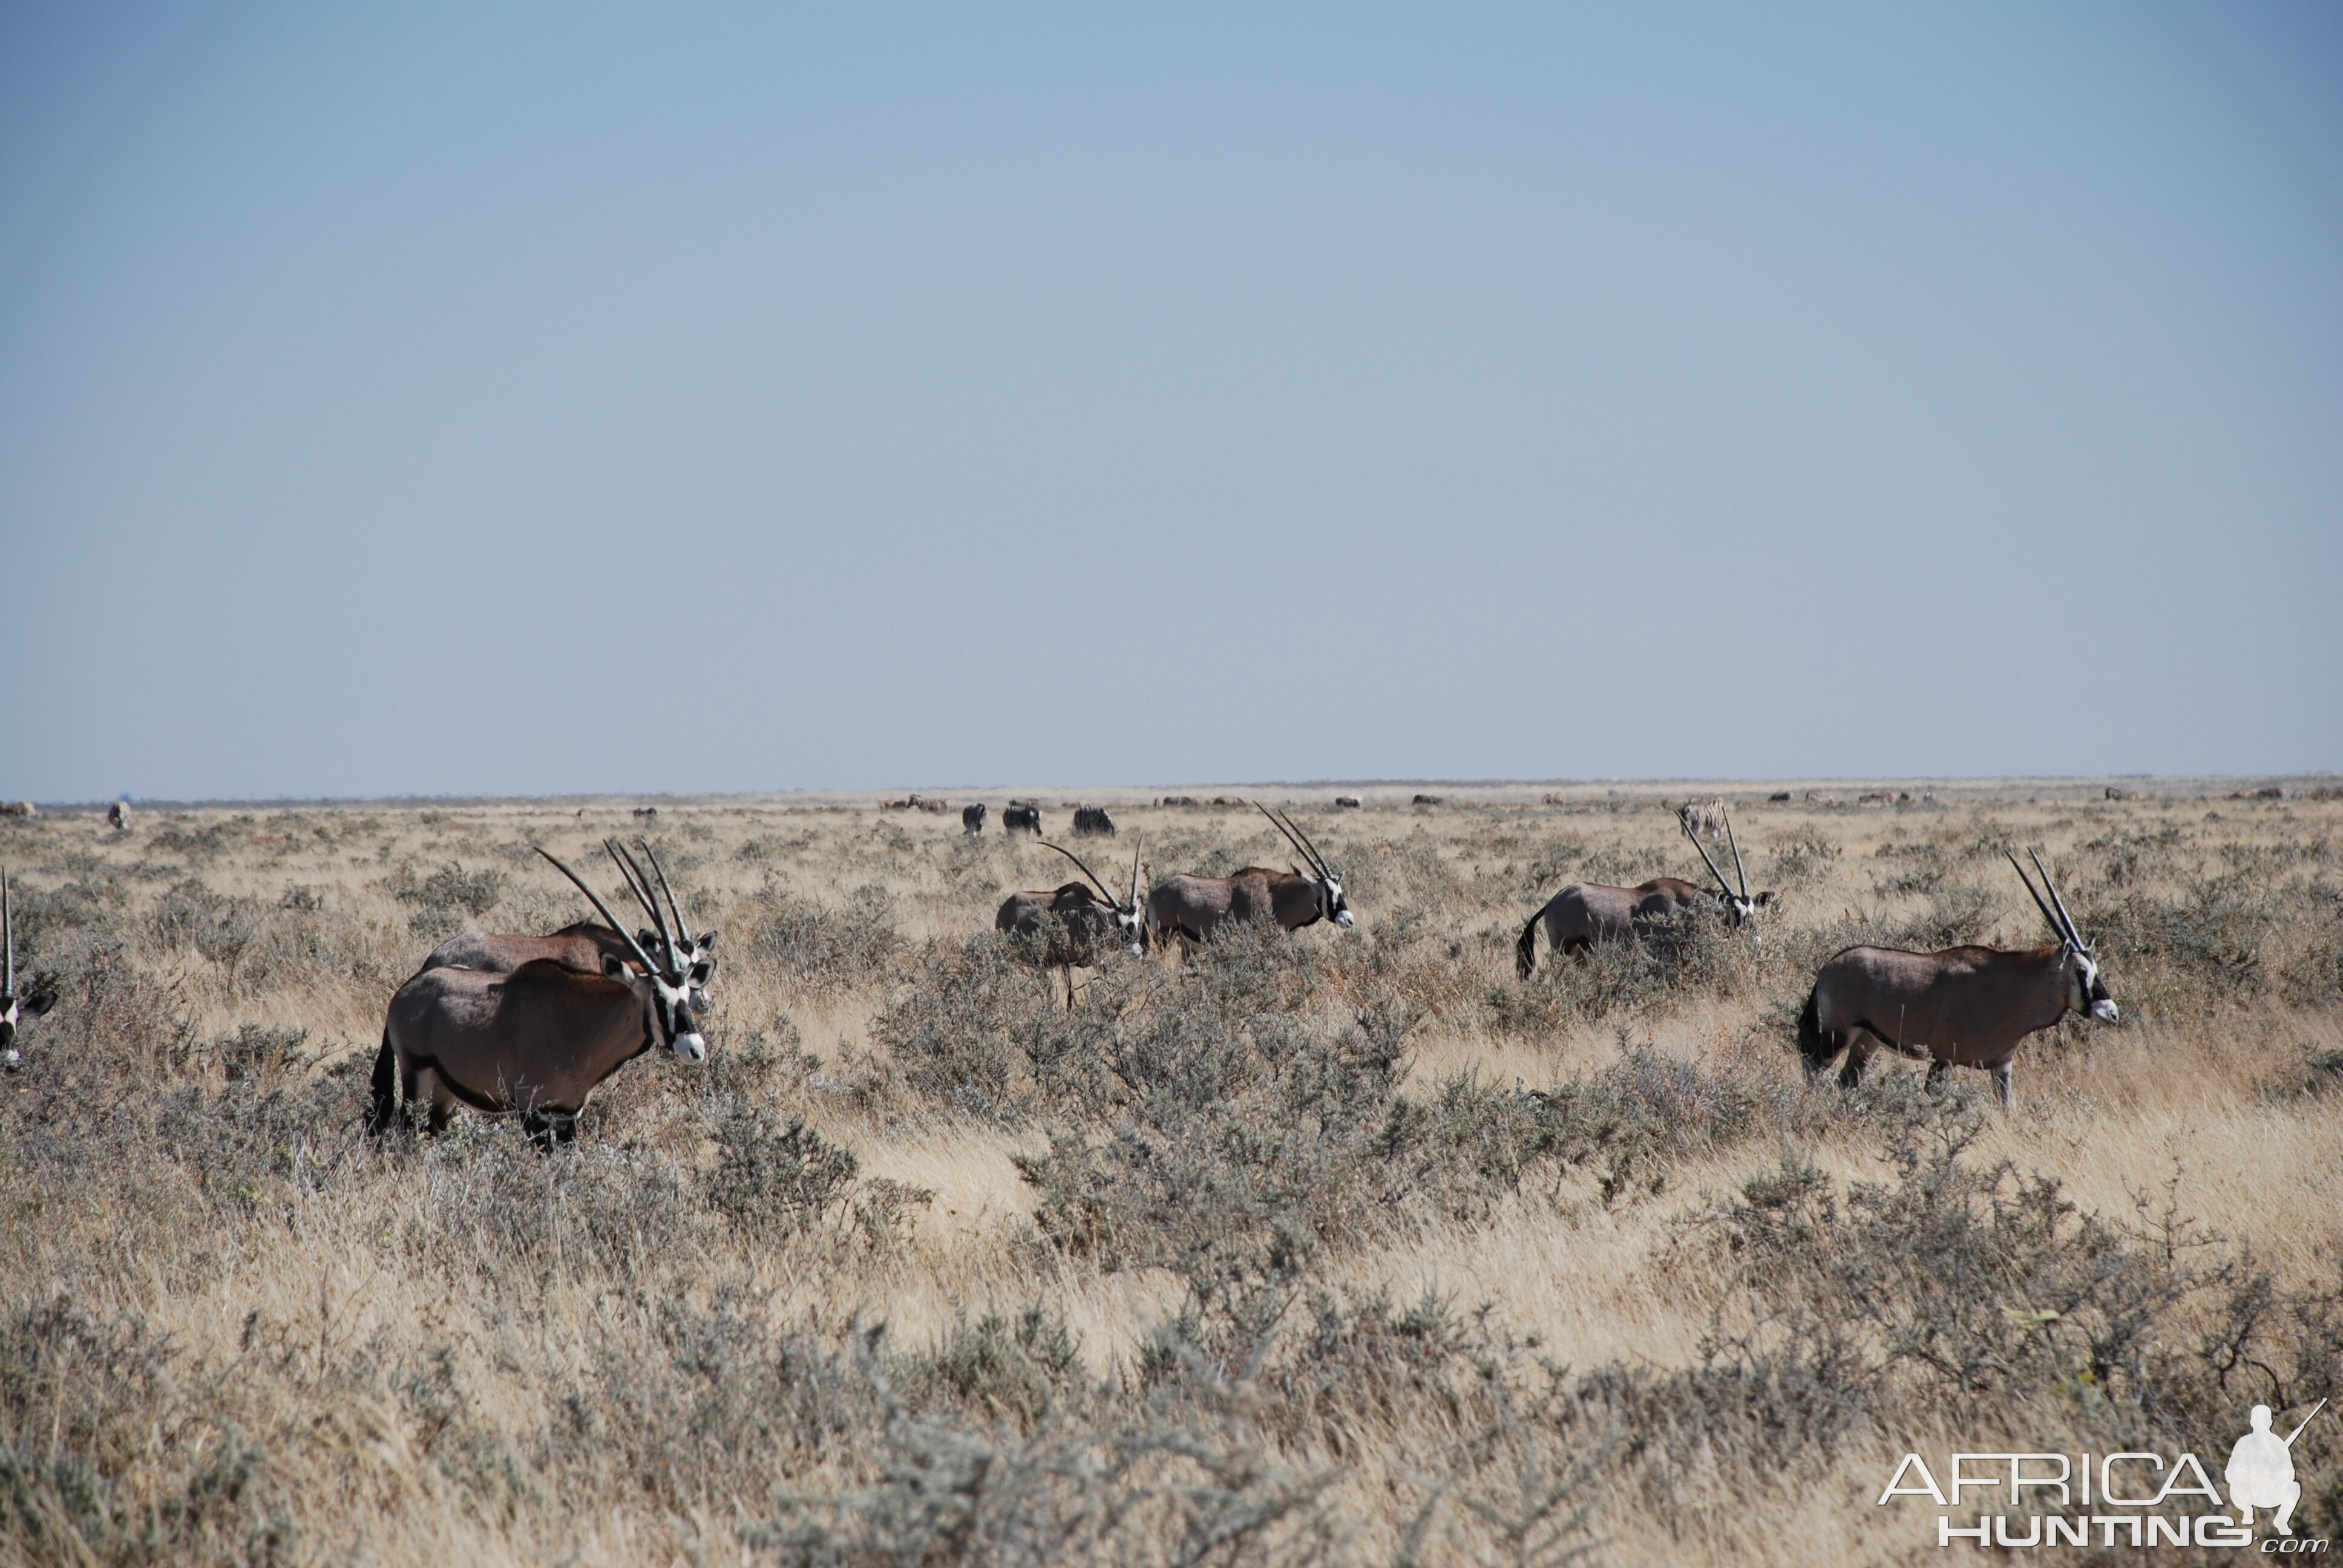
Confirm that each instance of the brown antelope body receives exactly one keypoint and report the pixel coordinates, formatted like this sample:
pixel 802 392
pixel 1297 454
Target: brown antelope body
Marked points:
pixel 1585 914
pixel 535 1042
pixel 1962 1007
pixel 1072 927
pixel 1194 907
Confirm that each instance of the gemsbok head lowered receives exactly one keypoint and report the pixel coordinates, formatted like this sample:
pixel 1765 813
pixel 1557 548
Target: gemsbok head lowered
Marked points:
pixel 1739 907
pixel 15 1008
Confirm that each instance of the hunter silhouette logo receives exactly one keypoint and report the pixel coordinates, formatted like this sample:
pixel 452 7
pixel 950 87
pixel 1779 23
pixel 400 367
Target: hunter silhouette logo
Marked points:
pixel 2261 1470
pixel 2134 1499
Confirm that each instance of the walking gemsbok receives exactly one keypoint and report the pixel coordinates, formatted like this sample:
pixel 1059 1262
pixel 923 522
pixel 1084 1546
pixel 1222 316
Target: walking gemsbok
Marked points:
pixel 13 1009
pixel 536 1042
pixel 1963 1007
pixel 1586 913
pixel 1071 928
pixel 584 945
pixel 1194 907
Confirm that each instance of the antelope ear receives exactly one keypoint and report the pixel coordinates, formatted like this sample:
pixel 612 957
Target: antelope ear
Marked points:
pixel 615 967
pixel 1762 899
pixel 648 938
pixel 39 1002
pixel 707 941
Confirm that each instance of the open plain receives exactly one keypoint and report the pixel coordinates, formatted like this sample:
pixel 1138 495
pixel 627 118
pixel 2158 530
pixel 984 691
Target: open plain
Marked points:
pixel 1342 1246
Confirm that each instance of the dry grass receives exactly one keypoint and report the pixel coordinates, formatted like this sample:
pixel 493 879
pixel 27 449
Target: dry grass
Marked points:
pixel 1255 1256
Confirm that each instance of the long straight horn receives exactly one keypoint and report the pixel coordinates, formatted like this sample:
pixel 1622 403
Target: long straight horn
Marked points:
pixel 1723 885
pixel 1077 860
pixel 1325 869
pixel 1739 870
pixel 603 910
pixel 1137 849
pixel 1294 839
pixel 2073 935
pixel 9 926
pixel 620 852
pixel 2056 930
pixel 681 929
pixel 641 891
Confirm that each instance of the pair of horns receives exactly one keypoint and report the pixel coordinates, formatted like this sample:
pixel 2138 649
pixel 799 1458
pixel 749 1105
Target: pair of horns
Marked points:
pixel 1137 850
pixel 2062 923
pixel 1301 842
pixel 641 886
pixel 672 966
pixel 1738 868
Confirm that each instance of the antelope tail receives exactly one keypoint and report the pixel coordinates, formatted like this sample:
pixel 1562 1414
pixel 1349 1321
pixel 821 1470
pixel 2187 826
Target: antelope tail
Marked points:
pixel 1525 949
pixel 1812 1044
pixel 385 1085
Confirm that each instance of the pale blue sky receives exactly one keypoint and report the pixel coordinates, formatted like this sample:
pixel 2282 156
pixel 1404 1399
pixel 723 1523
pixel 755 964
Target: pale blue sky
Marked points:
pixel 485 399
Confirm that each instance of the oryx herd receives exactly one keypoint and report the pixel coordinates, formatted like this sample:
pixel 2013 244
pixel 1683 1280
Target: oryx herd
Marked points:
pixel 530 1025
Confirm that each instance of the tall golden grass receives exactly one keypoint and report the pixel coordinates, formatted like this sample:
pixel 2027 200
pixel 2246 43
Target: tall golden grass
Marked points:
pixel 232 1329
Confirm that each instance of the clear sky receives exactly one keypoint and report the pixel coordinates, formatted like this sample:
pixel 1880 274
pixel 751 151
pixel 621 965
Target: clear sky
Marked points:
pixel 488 399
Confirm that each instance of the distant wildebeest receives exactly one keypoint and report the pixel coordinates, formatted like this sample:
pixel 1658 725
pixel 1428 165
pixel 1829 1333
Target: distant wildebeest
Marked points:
pixel 646 813
pixel 1179 800
pixel 585 946
pixel 1962 1007
pixel 971 819
pixel 1584 914
pixel 1348 802
pixel 537 1042
pixel 1703 816
pixel 1228 800
pixel 19 808
pixel 1071 928
pixel 1021 817
pixel 1556 798
pixel 1092 822
pixel 13 1009
pixel 117 816
pixel 1431 799
pixel 1778 796
pixel 1194 907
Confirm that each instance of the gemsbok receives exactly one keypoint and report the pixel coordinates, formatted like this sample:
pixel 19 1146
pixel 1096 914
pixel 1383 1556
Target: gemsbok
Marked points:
pixel 1585 914
pixel 536 1042
pixel 585 945
pixel 13 1009
pixel 1193 907
pixel 1071 928
pixel 1963 1007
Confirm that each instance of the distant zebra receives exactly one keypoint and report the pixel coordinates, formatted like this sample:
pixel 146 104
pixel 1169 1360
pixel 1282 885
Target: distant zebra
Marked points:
pixel 117 816
pixel 19 808
pixel 1703 816
pixel 1021 817
pixel 971 819
pixel 1092 822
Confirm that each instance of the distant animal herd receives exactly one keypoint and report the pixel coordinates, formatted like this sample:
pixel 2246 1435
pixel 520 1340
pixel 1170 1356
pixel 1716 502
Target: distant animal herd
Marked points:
pixel 529 1026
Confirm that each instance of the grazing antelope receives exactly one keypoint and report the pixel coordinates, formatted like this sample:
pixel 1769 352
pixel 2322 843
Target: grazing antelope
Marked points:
pixel 1092 822
pixel 971 820
pixel 1074 926
pixel 19 808
pixel 1586 913
pixel 1348 802
pixel 1194 907
pixel 1703 816
pixel 1963 1007
pixel 13 1009
pixel 117 816
pixel 1021 817
pixel 536 1042
pixel 584 945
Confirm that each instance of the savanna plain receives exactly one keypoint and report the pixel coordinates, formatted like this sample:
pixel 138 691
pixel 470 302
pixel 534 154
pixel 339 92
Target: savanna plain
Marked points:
pixel 1329 1246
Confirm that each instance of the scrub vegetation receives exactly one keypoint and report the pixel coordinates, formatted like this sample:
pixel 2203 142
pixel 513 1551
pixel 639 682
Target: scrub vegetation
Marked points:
pixel 1335 1247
